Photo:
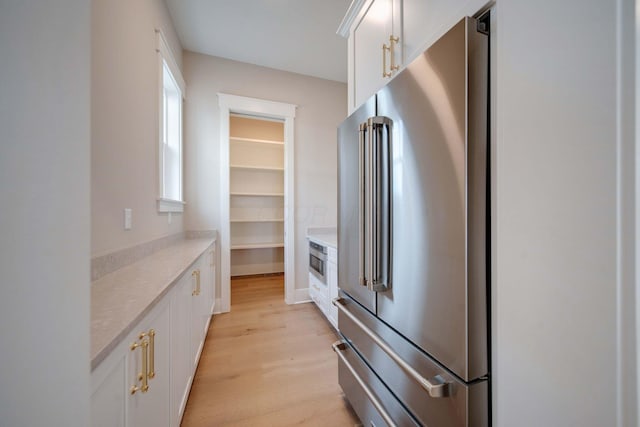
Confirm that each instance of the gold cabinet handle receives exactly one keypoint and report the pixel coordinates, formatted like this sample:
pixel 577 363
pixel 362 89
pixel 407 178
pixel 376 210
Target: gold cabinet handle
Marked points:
pixel 134 388
pixel 152 353
pixel 385 48
pixel 392 43
pixel 151 356
pixel 196 274
pixel 143 375
pixel 145 371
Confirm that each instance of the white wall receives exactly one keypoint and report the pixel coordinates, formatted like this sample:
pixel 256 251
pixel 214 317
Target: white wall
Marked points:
pixel 560 312
pixel 321 107
pixel 44 224
pixel 124 122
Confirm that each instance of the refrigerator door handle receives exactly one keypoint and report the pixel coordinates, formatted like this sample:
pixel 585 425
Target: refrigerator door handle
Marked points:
pixel 434 390
pixel 361 200
pixel 379 248
pixel 369 205
pixel 338 347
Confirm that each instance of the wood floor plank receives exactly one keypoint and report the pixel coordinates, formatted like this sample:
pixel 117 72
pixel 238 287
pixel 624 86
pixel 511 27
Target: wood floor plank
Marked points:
pixel 267 363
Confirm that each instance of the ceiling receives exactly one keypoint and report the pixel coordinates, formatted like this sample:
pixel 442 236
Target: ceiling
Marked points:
pixel 291 35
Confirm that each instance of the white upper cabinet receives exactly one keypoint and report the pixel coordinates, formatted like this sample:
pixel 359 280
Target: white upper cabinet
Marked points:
pixel 386 35
pixel 376 47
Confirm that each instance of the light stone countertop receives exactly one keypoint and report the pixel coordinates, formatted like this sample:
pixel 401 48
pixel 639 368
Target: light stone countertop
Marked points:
pixel 121 299
pixel 327 236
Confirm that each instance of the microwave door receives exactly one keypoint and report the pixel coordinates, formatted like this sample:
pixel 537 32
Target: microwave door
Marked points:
pixel 351 234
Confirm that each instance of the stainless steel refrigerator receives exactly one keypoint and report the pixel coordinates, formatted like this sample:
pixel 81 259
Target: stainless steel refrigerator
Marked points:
pixel 413 241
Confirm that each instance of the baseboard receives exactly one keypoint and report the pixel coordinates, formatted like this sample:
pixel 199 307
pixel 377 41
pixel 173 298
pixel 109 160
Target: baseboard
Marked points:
pixel 301 295
pixel 217 306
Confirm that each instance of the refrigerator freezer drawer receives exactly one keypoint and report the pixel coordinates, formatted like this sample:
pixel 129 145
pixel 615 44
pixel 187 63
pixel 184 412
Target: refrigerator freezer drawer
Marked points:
pixel 460 404
pixel 370 399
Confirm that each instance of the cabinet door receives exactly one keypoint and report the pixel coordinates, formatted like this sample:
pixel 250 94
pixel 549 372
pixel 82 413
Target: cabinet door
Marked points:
pixel 182 369
pixel 382 20
pixel 199 307
pixel 109 391
pixel 151 407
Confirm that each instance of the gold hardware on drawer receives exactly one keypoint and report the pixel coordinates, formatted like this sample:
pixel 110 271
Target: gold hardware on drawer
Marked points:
pixel 196 274
pixel 142 376
pixel 152 355
pixel 145 356
pixel 146 340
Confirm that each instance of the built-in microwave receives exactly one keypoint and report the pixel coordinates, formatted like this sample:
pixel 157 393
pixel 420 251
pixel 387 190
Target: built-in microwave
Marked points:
pixel 318 261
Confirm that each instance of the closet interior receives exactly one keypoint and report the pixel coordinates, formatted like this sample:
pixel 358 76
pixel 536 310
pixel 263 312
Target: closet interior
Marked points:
pixel 256 183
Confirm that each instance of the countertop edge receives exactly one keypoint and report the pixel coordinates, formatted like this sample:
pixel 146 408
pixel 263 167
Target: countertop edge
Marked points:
pixel 324 239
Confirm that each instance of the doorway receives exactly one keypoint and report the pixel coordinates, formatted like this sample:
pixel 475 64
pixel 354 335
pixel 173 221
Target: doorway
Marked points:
pixel 257 191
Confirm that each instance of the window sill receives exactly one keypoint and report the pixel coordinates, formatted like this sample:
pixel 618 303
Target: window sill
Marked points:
pixel 169 205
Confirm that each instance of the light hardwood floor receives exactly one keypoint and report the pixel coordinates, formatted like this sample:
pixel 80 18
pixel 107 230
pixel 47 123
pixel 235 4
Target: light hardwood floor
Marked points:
pixel 267 363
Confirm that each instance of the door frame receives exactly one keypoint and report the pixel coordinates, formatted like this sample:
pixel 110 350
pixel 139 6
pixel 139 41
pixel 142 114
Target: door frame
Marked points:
pixel 259 108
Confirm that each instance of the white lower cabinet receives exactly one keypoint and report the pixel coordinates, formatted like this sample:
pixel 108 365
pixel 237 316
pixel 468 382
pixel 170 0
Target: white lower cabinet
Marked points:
pixel 145 380
pixel 148 370
pixel 318 293
pixel 108 392
pixel 181 363
pixel 131 385
pixel 323 293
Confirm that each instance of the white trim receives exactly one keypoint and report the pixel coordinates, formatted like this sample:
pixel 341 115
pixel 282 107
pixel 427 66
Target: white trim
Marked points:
pixel 165 53
pixel 302 296
pixel 258 107
pixel 165 56
pixel 168 205
pixel 216 306
pixel 354 10
pixel 230 104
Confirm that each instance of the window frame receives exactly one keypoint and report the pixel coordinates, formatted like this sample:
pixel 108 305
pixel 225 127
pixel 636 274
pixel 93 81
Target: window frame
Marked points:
pixel 166 58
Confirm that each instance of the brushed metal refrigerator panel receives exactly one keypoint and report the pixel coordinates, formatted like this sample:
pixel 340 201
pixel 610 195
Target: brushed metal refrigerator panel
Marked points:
pixel 464 405
pixel 348 208
pixel 364 408
pixel 438 106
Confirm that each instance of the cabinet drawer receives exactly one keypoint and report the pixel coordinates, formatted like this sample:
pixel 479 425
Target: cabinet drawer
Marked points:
pixel 318 293
pixel 465 405
pixel 358 381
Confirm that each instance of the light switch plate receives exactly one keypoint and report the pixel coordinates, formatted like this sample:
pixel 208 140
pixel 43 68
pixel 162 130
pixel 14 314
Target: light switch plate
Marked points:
pixel 127 218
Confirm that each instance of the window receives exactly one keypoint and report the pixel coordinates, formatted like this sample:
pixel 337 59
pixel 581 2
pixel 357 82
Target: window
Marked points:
pixel 170 132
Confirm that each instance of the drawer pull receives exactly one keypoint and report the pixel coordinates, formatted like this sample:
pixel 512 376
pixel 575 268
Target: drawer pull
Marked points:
pixel 196 274
pixel 338 347
pixel 434 390
pixel 143 376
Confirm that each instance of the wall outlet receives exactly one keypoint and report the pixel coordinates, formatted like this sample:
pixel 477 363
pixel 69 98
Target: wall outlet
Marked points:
pixel 127 218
